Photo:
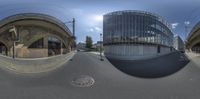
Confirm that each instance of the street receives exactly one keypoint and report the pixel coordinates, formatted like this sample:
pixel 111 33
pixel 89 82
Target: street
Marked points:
pixel 152 68
pixel 109 82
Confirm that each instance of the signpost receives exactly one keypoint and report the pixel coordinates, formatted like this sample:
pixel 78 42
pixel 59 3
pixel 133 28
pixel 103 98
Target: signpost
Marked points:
pixel 14 35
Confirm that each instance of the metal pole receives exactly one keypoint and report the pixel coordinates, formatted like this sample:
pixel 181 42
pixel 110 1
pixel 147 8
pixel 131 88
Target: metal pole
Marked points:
pixel 61 46
pixel 13 32
pixel 101 57
pixel 13 49
pixel 73 26
pixel 73 31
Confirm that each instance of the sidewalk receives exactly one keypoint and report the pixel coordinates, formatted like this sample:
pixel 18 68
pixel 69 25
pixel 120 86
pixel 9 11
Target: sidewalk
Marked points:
pixel 194 59
pixel 33 66
pixel 97 53
pixel 191 55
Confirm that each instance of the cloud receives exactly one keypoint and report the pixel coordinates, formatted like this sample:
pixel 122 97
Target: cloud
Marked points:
pixel 98 18
pixel 174 25
pixel 77 11
pixel 91 30
pixel 95 29
pixel 98 29
pixel 187 22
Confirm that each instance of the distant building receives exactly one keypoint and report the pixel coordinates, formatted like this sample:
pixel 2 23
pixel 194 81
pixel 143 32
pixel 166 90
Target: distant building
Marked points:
pixel 130 35
pixel 178 43
pixel 81 46
pixel 98 45
pixel 34 35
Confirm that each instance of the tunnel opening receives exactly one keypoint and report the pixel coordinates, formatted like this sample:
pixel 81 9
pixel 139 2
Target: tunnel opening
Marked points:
pixel 54 46
pixel 3 49
pixel 196 48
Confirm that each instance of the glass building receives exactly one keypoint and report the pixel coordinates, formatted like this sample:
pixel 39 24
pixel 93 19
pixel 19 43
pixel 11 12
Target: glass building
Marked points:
pixel 135 35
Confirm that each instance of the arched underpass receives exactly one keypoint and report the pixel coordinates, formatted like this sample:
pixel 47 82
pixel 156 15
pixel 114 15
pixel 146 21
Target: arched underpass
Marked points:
pixel 3 49
pixel 34 35
pixel 196 48
pixel 193 40
pixel 34 43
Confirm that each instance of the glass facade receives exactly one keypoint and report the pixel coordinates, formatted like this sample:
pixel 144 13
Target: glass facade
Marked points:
pixel 127 27
pixel 136 34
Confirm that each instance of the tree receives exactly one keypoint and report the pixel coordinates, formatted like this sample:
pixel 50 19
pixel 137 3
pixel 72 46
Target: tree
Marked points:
pixel 88 42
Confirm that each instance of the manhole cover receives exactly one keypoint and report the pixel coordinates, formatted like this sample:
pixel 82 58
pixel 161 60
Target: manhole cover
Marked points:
pixel 83 81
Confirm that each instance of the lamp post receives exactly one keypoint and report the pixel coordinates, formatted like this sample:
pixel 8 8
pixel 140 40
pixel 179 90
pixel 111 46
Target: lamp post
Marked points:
pixel 101 47
pixel 73 28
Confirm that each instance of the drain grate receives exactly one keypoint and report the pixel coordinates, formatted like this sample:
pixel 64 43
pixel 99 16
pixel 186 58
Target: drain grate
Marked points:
pixel 83 81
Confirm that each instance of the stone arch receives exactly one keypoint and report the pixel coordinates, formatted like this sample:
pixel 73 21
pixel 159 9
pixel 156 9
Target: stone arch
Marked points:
pixel 30 28
pixel 37 44
pixel 34 39
pixel 193 40
pixel 60 38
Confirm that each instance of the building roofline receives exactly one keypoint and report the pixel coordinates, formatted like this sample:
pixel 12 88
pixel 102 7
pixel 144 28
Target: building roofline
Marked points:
pixel 160 18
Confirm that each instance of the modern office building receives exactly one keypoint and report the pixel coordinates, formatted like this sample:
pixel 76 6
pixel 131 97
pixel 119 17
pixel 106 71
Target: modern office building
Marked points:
pixel 193 39
pixel 130 35
pixel 34 35
pixel 179 44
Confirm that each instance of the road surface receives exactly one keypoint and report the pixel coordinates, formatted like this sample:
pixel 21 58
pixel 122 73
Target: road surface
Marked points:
pixel 110 83
pixel 153 68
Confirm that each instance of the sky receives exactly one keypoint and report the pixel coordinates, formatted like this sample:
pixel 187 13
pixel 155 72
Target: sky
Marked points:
pixel 89 13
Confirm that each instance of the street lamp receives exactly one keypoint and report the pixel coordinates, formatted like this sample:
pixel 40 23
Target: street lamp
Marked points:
pixel 73 28
pixel 101 47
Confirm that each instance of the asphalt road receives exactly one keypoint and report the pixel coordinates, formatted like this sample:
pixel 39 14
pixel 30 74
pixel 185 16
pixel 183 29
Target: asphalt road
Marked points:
pixel 152 68
pixel 110 83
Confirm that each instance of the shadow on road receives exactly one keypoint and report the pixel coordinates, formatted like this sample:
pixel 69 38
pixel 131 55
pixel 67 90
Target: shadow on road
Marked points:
pixel 152 68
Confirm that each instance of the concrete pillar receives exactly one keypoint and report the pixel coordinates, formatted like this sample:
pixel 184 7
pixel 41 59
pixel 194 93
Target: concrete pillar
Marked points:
pixel 46 44
pixel 61 50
